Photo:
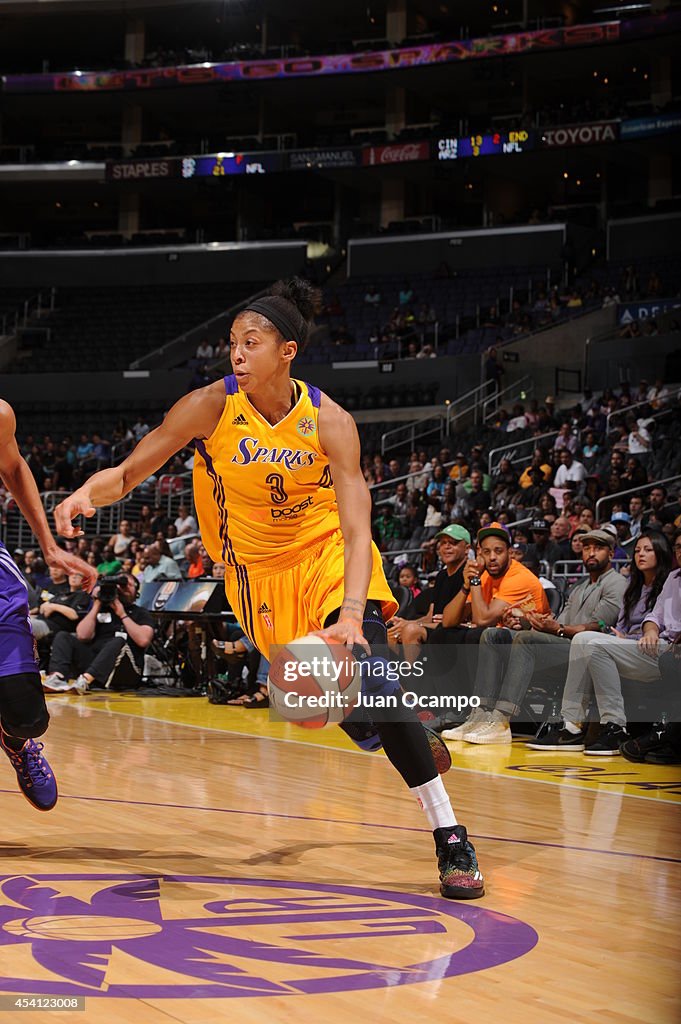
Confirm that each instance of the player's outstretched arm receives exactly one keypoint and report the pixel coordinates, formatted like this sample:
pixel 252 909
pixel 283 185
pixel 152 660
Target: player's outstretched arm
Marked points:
pixel 339 438
pixel 21 484
pixel 194 415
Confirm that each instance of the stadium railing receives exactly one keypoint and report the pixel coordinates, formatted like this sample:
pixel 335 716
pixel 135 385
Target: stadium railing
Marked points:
pixel 642 488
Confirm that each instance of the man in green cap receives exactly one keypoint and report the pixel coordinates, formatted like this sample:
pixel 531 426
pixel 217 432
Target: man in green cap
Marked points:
pixel 453 544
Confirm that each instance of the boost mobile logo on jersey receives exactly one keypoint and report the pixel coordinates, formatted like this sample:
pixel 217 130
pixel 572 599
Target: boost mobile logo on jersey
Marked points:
pixel 292 512
pixel 250 450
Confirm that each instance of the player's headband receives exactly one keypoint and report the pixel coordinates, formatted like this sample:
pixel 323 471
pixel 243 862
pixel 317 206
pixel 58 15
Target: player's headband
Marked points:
pixel 274 308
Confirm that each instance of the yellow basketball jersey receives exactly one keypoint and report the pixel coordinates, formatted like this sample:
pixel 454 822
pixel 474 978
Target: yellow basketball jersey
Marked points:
pixel 264 493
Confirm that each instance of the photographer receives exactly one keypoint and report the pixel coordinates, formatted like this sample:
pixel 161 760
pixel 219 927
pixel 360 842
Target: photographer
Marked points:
pixel 109 643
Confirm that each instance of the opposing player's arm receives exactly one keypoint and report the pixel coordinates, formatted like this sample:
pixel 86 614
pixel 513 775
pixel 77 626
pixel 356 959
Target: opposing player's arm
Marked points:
pixel 339 438
pixel 194 415
pixel 19 480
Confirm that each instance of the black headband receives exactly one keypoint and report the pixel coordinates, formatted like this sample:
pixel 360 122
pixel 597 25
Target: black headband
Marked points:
pixel 270 307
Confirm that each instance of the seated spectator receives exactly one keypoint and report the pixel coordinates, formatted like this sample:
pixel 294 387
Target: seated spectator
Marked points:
pixel 518 420
pixel 388 530
pixel 539 461
pixel 639 440
pixel 159 566
pixel 622 523
pixel 453 545
pixel 508 656
pixel 185 522
pixel 590 449
pixel 107 647
pixel 426 352
pixel 532 496
pixel 200 377
pixel 494 583
pixel 409 579
pixel 476 499
pixel 372 296
pixel 658 395
pixel 84 449
pixel 635 515
pixel 62 612
pixel 121 541
pixel 504 484
pixel 587 518
pixel 459 471
pixel 543 547
pixel 547 508
pixel 576 570
pixel 593 674
pixel 426 314
pixel 140 427
pixel 400 503
pixel 659 506
pixel 569 471
pixel 406 294
pixel 192 554
pixel 204 351
pixel 565 439
pixel 560 534
pixel 101 448
pixel 109 564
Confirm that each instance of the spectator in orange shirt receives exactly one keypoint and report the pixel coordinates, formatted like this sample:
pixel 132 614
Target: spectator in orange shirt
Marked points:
pixel 192 552
pixel 494 584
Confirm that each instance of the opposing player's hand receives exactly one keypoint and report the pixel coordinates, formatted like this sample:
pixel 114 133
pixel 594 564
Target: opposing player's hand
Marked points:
pixel 70 564
pixel 77 504
pixel 345 631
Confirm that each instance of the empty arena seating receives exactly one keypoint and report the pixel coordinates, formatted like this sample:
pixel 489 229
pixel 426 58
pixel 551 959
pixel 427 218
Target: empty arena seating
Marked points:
pixel 108 328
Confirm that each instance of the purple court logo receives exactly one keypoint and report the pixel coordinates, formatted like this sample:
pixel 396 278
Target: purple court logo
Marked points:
pixel 185 936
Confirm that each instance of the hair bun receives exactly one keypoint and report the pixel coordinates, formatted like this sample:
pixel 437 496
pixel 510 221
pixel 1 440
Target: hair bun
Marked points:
pixel 298 291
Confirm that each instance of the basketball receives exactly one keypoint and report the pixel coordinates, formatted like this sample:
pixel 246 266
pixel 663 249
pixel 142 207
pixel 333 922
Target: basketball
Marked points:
pixel 313 682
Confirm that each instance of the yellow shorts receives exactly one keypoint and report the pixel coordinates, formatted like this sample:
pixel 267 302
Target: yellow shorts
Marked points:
pixel 288 599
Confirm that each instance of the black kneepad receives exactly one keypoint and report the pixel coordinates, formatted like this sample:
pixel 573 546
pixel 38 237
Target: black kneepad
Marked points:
pixel 22 705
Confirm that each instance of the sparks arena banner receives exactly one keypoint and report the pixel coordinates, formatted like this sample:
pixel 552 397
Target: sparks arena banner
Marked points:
pixel 580 134
pixel 540 41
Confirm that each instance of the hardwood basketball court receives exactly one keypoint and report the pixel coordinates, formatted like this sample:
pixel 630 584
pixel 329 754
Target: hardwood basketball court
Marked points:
pixel 204 863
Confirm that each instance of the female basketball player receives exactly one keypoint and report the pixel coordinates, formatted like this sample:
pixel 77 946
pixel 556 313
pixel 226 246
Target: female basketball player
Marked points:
pixel 23 713
pixel 282 502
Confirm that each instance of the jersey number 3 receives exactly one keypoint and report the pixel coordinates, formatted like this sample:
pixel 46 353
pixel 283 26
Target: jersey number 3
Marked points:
pixel 276 482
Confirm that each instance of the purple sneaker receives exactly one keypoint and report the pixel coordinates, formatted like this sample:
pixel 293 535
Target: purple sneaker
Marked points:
pixel 34 775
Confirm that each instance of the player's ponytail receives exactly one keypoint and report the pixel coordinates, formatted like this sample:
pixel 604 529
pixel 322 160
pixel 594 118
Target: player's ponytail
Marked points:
pixel 289 306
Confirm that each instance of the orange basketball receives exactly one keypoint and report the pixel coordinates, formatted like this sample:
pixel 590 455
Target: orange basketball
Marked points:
pixel 313 681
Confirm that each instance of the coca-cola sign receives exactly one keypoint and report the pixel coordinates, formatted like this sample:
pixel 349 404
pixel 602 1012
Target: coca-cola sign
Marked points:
pixel 399 153
pixel 580 134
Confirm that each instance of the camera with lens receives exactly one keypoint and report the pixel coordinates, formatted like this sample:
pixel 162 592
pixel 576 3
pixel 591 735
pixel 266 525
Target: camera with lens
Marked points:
pixel 110 589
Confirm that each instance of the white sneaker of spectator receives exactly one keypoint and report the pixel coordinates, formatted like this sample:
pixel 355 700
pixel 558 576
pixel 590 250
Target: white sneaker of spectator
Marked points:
pixel 498 730
pixel 475 720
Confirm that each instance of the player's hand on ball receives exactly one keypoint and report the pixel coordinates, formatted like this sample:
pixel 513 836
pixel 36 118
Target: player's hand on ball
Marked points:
pixel 67 510
pixel 345 631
